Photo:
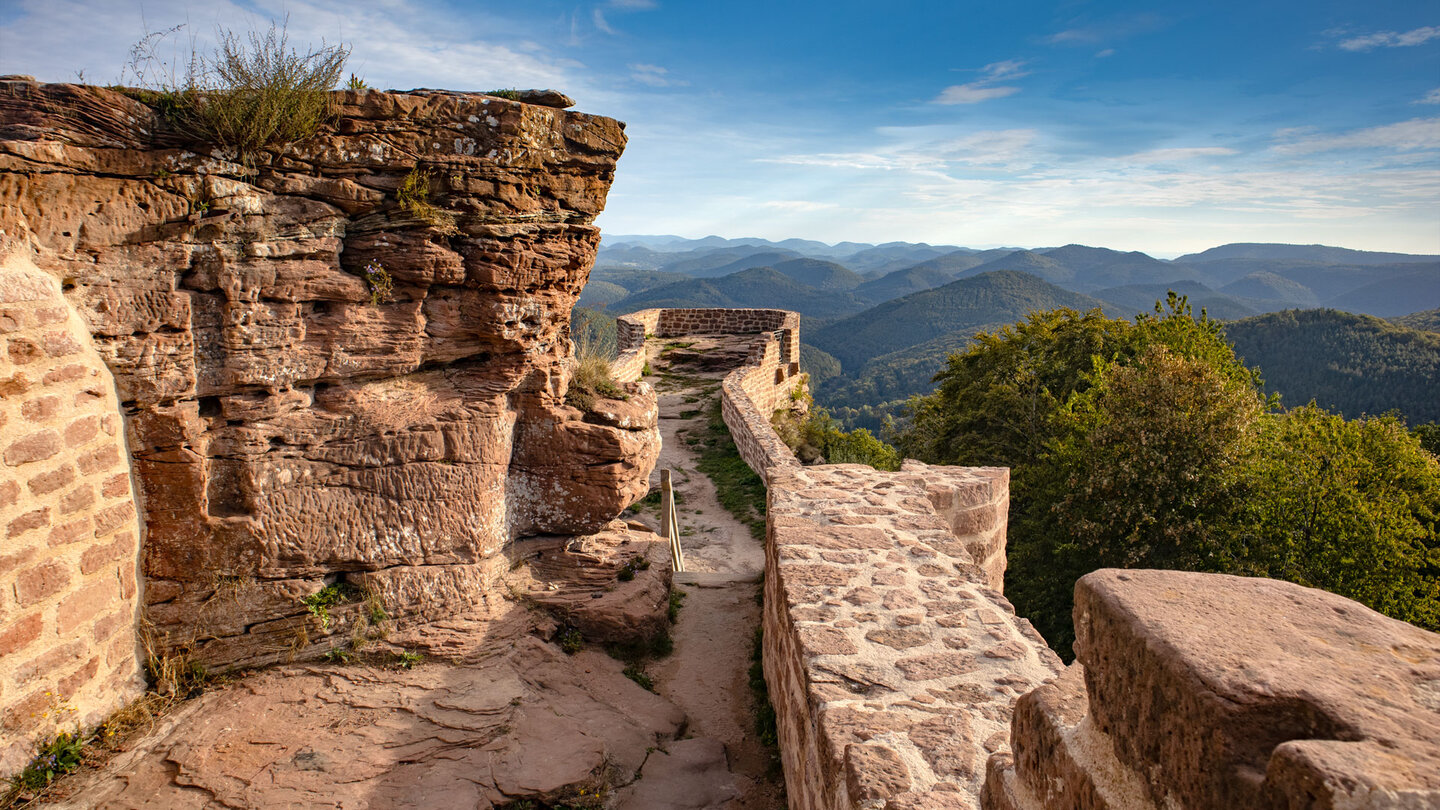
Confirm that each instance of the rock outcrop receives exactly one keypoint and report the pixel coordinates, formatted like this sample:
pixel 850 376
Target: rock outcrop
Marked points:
pixel 320 383
pixel 1207 690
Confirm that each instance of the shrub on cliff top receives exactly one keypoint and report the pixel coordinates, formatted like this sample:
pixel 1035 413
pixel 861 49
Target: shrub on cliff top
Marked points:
pixel 253 91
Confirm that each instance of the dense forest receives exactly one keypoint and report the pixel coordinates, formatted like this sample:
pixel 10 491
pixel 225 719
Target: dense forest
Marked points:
pixel 1349 364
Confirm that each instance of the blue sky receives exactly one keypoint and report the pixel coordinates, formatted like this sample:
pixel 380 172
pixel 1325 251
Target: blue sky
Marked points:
pixel 1159 127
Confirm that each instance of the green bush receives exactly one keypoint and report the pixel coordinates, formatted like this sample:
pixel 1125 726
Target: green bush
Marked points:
pixel 253 91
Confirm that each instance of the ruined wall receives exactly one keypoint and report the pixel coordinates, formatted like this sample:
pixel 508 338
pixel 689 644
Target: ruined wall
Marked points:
pixel 69 537
pixel 288 430
pixel 892 663
pixel 1207 690
pixel 749 395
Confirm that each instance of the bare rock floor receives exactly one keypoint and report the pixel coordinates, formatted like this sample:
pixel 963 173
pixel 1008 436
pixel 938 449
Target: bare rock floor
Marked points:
pixel 513 717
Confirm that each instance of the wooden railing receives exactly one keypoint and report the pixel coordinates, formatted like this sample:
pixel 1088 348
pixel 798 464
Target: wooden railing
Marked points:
pixel 669 525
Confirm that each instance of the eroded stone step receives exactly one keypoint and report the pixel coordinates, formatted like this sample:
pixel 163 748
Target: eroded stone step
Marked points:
pixel 716 579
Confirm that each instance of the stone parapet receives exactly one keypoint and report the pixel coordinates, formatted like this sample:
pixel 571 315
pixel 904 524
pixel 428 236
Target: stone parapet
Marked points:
pixel 750 394
pixel 1207 690
pixel 69 535
pixel 892 664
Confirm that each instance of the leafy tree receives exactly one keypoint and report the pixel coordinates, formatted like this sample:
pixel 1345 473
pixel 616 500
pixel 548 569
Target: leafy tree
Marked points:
pixel 1147 444
pixel 1146 471
pixel 1350 507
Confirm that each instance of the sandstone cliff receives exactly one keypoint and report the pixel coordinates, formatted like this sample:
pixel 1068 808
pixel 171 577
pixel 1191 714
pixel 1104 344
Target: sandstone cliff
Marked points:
pixel 288 430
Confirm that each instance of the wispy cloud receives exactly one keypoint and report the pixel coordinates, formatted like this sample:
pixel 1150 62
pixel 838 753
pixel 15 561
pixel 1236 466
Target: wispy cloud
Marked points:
pixel 1177 154
pixel 633 5
pixel 1432 97
pixel 988 86
pixel 654 76
pixel 1106 31
pixel 601 23
pixel 1391 39
pixel 914 152
pixel 1405 136
pixel 1105 53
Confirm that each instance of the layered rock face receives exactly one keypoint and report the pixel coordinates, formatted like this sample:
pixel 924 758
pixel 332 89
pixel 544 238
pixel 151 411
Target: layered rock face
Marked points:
pixel 291 424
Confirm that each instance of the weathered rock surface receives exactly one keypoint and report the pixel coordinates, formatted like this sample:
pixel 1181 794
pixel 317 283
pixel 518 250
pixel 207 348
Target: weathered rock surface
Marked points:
pixel 583 581
pixel 1206 690
pixel 288 432
pixel 683 775
pixel 526 723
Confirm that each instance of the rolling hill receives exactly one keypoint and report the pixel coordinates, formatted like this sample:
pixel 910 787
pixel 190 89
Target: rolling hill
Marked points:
pixel 1003 296
pixel 755 287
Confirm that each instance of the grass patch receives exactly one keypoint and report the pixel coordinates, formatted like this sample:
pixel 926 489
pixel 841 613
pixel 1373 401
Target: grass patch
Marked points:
pixel 414 197
pixel 594 377
pixel 739 489
pixel 253 91
pixel 677 599
pixel 513 95
pixel 636 673
pixel 765 726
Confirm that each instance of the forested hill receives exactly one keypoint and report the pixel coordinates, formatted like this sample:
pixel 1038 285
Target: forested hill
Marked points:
pixel 1351 364
pixel 999 297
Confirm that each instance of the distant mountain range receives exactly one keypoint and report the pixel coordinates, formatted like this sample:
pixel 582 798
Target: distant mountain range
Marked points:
pixel 887 315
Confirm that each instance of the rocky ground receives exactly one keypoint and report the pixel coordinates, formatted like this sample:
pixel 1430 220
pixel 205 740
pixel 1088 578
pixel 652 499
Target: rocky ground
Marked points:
pixel 497 708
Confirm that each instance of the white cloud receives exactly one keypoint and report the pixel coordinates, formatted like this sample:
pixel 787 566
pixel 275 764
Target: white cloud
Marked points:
pixel 1108 52
pixel 1405 136
pixel 986 87
pixel 600 22
pixel 973 93
pixel 1391 39
pixel 924 152
pixel 1432 97
pixel 654 75
pixel 633 5
pixel 1176 154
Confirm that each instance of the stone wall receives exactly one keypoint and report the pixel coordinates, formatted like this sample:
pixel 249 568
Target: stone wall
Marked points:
pixel 892 663
pixel 750 394
pixel 1207 690
pixel 69 537
pixel 291 425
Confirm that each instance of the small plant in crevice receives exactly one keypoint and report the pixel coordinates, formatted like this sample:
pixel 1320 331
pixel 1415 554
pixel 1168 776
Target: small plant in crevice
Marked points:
pixel 677 599
pixel 356 83
pixel 635 672
pixel 571 640
pixel 765 721
pixel 58 756
pixel 513 95
pixel 414 197
pixel 320 602
pixel 378 280
pixel 407 660
pixel 339 655
pixel 634 564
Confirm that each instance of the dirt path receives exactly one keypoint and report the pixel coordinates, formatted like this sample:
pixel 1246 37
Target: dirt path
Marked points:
pixel 707 675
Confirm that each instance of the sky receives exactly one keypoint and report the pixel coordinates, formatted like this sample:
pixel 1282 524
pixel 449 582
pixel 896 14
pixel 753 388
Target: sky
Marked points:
pixel 1160 127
